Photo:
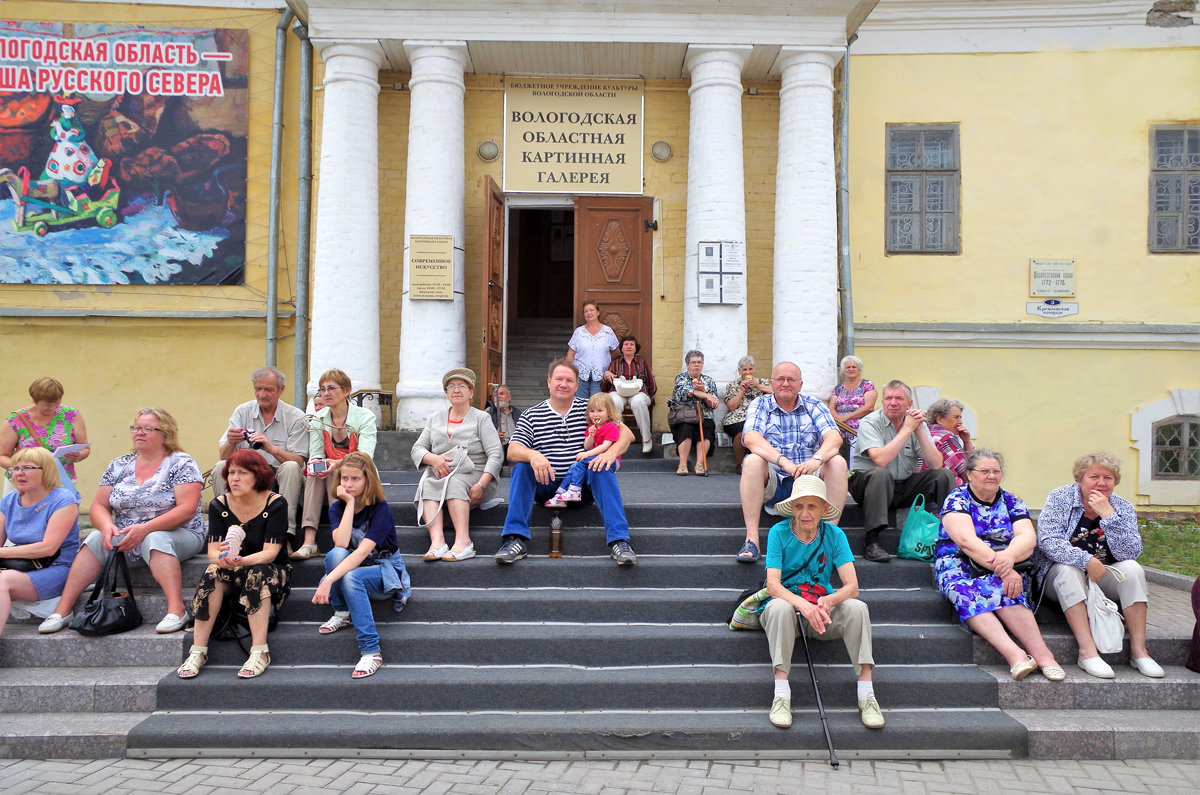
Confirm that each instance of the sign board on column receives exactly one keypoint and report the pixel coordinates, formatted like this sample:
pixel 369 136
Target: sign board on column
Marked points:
pixel 431 267
pixel 721 267
pixel 1052 277
pixel 573 135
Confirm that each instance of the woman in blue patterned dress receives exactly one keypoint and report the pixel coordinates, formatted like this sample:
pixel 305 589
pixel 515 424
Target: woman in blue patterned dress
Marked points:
pixel 992 527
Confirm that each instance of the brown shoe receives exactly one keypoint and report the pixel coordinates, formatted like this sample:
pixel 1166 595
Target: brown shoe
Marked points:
pixel 876 554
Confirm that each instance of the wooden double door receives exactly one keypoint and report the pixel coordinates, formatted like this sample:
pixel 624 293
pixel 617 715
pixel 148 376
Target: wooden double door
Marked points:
pixel 613 266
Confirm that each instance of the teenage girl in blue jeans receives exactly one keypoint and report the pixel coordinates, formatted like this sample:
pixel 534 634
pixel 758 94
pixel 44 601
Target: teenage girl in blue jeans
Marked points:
pixel 364 563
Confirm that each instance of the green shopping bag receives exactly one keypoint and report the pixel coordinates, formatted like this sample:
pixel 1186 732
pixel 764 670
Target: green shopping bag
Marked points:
pixel 919 534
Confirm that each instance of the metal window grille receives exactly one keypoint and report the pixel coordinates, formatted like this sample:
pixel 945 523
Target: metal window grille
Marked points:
pixel 1176 449
pixel 1175 188
pixel 922 172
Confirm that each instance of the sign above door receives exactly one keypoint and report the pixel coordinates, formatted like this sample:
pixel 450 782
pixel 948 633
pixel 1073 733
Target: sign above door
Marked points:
pixel 573 135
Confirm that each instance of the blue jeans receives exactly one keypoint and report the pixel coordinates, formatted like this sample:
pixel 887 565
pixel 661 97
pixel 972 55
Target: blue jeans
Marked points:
pixel 588 388
pixel 600 487
pixel 354 593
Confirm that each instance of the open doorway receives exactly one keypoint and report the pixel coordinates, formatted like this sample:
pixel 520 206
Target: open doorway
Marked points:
pixel 540 290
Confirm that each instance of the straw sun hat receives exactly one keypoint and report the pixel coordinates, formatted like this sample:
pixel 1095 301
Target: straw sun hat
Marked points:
pixel 807 486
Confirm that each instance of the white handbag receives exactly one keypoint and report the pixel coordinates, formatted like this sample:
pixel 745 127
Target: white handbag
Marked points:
pixel 627 387
pixel 1108 627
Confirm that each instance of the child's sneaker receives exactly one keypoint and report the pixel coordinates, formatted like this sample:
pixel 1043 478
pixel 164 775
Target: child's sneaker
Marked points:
pixel 573 494
pixel 557 501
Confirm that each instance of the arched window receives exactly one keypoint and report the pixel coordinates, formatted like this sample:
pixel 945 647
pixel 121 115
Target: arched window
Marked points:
pixel 1176 449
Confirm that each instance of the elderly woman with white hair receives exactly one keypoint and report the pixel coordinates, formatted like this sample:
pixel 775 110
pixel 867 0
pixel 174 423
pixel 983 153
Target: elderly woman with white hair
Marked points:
pixel 950 436
pixel 851 400
pixel 739 394
pixel 1086 532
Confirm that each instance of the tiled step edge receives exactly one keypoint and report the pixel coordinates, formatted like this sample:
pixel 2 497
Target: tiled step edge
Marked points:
pixel 102 690
pixel 65 735
pixel 1110 733
pixel 1179 689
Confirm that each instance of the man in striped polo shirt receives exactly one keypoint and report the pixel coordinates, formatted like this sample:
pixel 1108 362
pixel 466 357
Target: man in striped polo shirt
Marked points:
pixel 542 448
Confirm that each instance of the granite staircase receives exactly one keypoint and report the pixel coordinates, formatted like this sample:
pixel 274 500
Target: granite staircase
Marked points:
pixel 578 657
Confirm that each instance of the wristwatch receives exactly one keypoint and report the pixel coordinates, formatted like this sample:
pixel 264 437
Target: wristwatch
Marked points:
pixel 818 458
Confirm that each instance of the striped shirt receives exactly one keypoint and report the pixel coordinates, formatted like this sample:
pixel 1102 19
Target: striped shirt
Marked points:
pixel 797 433
pixel 559 438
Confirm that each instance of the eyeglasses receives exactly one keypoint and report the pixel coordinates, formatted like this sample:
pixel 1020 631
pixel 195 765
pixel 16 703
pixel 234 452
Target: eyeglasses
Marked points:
pixel 457 388
pixel 325 390
pixel 989 473
pixel 23 468
pixel 144 429
pixel 786 380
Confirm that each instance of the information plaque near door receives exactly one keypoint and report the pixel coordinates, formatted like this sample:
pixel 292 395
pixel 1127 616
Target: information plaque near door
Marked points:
pixel 721 268
pixel 431 267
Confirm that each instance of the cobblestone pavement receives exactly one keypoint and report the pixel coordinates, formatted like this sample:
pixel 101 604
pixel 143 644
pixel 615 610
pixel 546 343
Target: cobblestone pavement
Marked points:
pixel 322 776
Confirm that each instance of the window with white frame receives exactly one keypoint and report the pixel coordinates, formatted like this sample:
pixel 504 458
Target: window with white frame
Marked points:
pixel 922 189
pixel 1176 450
pixel 1175 188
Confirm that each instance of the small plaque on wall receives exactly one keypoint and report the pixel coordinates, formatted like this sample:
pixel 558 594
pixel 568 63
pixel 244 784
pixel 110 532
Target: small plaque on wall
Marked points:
pixel 431 267
pixel 1052 277
pixel 1051 308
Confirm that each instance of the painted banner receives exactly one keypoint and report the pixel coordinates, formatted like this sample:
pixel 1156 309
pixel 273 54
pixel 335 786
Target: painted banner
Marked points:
pixel 122 154
pixel 573 135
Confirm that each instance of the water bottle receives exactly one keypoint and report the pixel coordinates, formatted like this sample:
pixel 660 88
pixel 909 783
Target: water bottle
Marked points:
pixel 556 536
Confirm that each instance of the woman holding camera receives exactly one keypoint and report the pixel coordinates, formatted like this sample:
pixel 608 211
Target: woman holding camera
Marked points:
pixel 41 519
pixel 460 455
pixel 249 565
pixel 335 431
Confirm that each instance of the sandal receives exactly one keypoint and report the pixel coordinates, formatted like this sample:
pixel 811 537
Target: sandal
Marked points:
pixel 367 665
pixel 336 622
pixel 305 551
pixel 257 663
pixel 748 553
pixel 436 554
pixel 702 472
pixel 683 468
pixel 196 659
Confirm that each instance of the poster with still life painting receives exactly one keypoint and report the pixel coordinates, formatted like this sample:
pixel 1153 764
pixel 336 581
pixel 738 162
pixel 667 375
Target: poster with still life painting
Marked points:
pixel 122 154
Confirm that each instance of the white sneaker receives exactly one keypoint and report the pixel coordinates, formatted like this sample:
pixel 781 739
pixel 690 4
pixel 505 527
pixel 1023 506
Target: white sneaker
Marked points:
pixel 647 447
pixel 171 623
pixel 55 622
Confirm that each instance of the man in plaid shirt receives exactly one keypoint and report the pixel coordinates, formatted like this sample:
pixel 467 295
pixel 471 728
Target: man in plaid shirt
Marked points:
pixel 788 435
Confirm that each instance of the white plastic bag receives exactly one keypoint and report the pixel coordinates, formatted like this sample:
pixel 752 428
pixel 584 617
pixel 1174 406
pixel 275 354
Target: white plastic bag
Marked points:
pixel 1108 628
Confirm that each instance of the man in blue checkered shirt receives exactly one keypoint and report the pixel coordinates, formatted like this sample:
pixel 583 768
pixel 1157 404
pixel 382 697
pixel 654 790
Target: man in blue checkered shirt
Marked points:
pixel 788 435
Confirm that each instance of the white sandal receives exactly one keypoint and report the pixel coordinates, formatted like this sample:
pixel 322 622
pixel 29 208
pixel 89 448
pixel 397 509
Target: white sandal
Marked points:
pixel 367 665
pixel 460 554
pixel 257 663
pixel 196 659
pixel 336 622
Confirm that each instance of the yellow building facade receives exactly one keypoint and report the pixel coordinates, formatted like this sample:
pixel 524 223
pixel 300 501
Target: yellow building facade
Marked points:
pixel 1054 158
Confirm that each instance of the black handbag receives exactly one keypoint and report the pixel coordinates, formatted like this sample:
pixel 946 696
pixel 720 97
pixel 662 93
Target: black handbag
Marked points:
pixel 108 610
pixel 28 564
pixel 977 571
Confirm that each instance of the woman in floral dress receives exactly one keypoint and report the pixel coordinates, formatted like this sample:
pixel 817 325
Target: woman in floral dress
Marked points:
pixel 985 524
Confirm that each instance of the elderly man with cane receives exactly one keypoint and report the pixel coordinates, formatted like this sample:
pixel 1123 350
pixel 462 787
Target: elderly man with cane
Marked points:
pixel 802 553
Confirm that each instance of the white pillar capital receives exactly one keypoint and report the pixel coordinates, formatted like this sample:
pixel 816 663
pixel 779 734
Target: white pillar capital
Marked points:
pixel 791 57
pixel 716 65
pixel 346 251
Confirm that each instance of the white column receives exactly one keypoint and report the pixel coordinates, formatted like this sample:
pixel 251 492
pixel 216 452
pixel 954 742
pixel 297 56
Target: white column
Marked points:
pixel 716 204
pixel 805 327
pixel 345 291
pixel 433 333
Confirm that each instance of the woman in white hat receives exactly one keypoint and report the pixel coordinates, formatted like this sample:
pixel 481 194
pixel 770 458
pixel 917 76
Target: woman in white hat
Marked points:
pixel 802 553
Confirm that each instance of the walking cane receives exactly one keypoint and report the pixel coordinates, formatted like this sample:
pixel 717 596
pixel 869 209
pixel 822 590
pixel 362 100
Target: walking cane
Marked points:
pixel 701 453
pixel 833 760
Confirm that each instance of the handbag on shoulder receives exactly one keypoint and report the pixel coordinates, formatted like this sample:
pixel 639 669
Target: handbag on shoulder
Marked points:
pixel 109 610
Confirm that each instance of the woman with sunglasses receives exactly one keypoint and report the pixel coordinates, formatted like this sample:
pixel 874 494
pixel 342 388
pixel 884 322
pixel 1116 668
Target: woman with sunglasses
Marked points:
pixel 41 520
pixel 148 507
pixel 336 430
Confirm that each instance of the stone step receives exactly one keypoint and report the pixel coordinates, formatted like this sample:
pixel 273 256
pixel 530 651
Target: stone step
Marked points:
pixel 917 733
pixel 434 689
pixel 1111 733
pixel 591 644
pixel 590 604
pixel 1179 689
pixel 89 689
pixel 1165 648
pixel 23 647
pixel 67 735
